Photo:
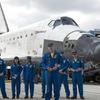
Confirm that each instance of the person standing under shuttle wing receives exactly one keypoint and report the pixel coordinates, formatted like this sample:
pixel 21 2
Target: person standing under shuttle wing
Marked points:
pixel 2 78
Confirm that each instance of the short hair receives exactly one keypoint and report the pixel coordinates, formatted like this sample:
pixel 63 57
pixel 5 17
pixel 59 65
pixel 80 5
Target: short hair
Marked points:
pixel 16 58
pixel 62 52
pixel 50 45
pixel 29 57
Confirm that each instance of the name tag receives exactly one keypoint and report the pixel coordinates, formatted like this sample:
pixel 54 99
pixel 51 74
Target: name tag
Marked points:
pixel 64 61
pixel 30 66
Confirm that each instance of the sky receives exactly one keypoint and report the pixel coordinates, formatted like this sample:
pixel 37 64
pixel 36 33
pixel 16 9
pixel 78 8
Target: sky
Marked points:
pixel 20 13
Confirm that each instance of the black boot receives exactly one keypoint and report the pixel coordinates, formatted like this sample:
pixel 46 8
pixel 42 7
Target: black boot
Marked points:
pixel 17 97
pixel 26 97
pixel 43 96
pixel 13 97
pixel 6 97
pixel 73 97
pixel 82 97
pixel 67 97
pixel 31 97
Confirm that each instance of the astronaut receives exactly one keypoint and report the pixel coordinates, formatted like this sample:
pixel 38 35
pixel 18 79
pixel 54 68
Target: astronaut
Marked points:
pixel 77 67
pixel 2 78
pixel 28 76
pixel 51 61
pixel 63 76
pixel 16 69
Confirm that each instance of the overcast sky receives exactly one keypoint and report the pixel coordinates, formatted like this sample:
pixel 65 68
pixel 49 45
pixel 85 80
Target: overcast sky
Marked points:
pixel 20 13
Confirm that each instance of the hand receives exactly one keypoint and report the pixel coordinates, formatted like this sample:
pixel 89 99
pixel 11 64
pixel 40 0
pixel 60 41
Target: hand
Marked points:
pixel 57 65
pixel 79 69
pixel 50 69
pixel 61 72
pixel 54 68
pixel 72 70
pixel 65 73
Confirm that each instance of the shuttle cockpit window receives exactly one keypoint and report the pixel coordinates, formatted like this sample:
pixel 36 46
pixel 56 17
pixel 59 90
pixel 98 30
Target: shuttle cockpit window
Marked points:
pixel 62 21
pixel 51 23
pixel 68 21
pixel 55 23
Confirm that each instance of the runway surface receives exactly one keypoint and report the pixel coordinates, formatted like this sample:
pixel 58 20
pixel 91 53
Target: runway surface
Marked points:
pixel 91 92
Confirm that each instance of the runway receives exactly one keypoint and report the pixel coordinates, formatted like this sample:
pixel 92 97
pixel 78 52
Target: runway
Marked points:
pixel 91 92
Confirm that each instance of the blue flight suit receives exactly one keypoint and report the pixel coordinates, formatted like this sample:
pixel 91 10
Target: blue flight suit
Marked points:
pixel 28 76
pixel 51 77
pixel 43 70
pixel 43 81
pixel 63 78
pixel 2 77
pixel 15 71
pixel 77 76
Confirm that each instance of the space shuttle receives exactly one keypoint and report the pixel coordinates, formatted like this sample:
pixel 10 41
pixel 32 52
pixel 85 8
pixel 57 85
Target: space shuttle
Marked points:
pixel 63 32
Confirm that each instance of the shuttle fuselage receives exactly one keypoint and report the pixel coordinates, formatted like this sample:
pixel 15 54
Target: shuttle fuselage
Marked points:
pixel 63 32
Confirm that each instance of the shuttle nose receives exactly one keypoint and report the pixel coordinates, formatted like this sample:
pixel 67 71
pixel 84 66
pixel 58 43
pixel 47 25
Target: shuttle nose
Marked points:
pixel 97 53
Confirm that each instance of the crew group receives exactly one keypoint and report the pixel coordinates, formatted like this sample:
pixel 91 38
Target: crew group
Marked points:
pixel 54 73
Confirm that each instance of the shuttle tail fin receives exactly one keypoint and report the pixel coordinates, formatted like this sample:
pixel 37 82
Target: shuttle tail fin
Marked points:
pixel 3 23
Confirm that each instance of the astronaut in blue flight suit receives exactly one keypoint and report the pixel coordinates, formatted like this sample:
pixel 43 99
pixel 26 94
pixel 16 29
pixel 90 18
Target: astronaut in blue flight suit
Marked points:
pixel 16 69
pixel 77 67
pixel 51 61
pixel 2 78
pixel 63 76
pixel 28 76
pixel 43 80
